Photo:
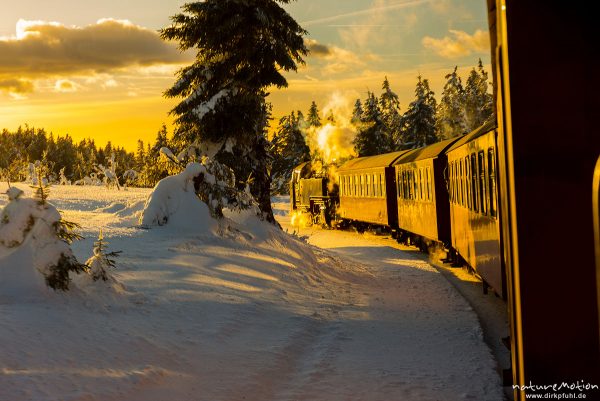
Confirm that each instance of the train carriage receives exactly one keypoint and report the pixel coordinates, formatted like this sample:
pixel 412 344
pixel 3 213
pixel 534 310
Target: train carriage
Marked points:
pixel 367 189
pixel 422 198
pixel 472 186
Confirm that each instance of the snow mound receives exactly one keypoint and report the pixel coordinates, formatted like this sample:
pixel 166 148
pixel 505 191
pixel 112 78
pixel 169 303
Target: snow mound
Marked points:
pixel 174 202
pixel 19 279
pixel 112 208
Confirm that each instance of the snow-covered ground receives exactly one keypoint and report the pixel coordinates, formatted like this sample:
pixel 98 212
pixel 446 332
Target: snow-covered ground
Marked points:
pixel 248 313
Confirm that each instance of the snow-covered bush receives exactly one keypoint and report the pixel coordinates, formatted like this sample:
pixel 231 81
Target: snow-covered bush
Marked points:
pixel 63 179
pixel 129 176
pixel 215 183
pixel 101 262
pixel 37 225
pixel 111 179
pixel 173 197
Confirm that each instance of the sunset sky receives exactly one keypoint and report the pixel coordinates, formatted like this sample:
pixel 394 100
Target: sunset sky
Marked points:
pixel 98 69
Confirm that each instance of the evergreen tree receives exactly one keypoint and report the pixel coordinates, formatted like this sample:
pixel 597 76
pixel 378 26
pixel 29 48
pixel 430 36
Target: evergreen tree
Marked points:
pixel 357 112
pixel 418 122
pixel 479 105
pixel 100 263
pixel 156 167
pixel 140 156
pixel 288 150
pixel 450 117
pixel 313 118
pixel 243 46
pixel 372 138
pixel 390 113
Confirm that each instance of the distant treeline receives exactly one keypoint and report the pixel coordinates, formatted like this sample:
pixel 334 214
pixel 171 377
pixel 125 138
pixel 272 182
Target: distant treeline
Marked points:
pixel 79 159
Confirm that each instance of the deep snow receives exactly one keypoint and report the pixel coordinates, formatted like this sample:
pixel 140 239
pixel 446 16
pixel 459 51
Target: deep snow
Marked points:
pixel 241 311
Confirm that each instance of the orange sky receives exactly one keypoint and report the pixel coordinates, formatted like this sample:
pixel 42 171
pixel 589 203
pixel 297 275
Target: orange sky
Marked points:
pixel 100 71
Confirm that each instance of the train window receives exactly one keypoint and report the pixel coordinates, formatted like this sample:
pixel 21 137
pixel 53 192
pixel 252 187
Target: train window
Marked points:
pixel 427 182
pixel 418 179
pixel 467 182
pixel 368 186
pixel 492 181
pixel 455 182
pixel 449 182
pixel 474 195
pixel 403 192
pixel 374 188
pixel 451 177
pixel 461 193
pixel 482 183
pixel 382 185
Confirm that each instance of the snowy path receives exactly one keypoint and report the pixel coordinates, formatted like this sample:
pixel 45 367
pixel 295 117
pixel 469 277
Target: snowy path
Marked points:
pixel 249 315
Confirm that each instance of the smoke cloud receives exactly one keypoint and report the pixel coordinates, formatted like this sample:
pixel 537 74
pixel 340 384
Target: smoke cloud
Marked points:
pixel 332 142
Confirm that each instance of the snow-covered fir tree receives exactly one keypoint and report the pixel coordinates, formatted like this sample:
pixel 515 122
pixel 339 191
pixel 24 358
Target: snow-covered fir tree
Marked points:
pixel 312 118
pixel 450 118
pixel 288 149
pixel 371 138
pixel 243 46
pixel 102 261
pixel 390 113
pixel 418 122
pixel 35 223
pixel 478 101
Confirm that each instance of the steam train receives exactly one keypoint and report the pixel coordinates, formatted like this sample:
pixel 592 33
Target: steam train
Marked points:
pixel 442 194
pixel 519 202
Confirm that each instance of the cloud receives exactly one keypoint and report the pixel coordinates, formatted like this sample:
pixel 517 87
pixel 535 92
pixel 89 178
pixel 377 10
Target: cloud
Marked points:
pixel 65 86
pixel 378 25
pixel 317 49
pixel 42 49
pixel 16 86
pixel 459 45
pixel 337 60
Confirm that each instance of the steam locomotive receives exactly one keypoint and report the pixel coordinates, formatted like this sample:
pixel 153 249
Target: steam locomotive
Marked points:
pixel 444 194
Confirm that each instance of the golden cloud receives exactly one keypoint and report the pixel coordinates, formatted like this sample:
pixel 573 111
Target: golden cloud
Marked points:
pixel 19 86
pixel 42 49
pixel 65 86
pixel 337 60
pixel 459 45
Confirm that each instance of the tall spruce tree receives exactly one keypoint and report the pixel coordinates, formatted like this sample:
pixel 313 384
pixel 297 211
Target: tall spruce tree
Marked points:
pixel 243 46
pixel 390 113
pixel 312 118
pixel 450 117
pixel 288 150
pixel 418 122
pixel 372 138
pixel 478 101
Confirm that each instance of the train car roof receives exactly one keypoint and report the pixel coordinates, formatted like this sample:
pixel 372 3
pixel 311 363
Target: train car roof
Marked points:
pixel 482 130
pixel 427 152
pixel 384 160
